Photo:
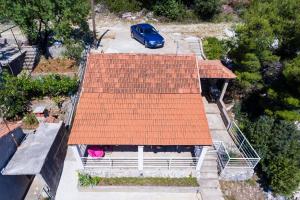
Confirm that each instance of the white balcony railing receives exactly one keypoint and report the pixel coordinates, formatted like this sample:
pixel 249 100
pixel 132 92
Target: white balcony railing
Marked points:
pixel 148 162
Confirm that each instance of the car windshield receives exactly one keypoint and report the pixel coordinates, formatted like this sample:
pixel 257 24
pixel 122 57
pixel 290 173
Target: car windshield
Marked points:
pixel 150 31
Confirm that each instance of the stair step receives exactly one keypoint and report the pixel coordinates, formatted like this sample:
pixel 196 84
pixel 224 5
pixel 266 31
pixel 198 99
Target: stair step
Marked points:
pixel 208 175
pixel 211 194
pixel 209 183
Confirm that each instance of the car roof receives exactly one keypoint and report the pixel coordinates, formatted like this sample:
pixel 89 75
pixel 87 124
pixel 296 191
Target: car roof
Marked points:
pixel 145 25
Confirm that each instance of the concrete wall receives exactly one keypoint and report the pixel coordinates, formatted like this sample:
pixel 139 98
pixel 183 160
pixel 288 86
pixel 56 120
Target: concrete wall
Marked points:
pixel 53 166
pixel 11 187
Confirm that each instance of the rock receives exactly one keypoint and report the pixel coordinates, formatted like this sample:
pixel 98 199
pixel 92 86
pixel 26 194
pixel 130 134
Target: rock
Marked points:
pixel 126 15
pixel 227 9
pixel 153 19
pixel 141 13
pixel 150 15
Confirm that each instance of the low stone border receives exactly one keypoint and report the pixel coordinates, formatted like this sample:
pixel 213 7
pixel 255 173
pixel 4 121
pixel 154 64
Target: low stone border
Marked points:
pixel 167 189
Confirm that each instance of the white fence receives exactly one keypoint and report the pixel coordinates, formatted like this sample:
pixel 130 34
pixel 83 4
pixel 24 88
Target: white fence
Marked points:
pixel 148 162
pixel 244 156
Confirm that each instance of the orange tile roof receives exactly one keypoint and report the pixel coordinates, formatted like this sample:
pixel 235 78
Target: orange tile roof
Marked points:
pixel 141 73
pixel 130 99
pixel 6 128
pixel 214 69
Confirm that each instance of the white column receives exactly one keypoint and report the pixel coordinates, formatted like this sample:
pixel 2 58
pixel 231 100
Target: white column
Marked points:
pixel 201 158
pixel 224 90
pixel 140 158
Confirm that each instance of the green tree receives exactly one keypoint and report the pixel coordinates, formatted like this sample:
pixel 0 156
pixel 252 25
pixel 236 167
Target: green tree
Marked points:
pixel 291 73
pixel 207 9
pixel 278 144
pixel 41 19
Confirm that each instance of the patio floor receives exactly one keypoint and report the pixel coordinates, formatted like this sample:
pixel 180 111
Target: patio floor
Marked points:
pixel 67 189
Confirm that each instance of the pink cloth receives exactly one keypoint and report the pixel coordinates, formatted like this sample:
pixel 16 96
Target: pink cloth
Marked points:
pixel 96 151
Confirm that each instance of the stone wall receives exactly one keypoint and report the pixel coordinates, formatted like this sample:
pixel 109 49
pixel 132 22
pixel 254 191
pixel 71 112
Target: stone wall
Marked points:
pixel 53 165
pixel 235 174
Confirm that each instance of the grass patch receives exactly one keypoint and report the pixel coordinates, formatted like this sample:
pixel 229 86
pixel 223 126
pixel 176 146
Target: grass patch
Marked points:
pixel 87 180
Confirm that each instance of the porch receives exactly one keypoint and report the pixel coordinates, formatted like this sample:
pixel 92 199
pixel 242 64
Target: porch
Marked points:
pixel 144 160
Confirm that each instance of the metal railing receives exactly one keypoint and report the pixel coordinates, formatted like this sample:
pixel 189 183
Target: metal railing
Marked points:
pixel 75 97
pixel 243 156
pixel 243 145
pixel 148 162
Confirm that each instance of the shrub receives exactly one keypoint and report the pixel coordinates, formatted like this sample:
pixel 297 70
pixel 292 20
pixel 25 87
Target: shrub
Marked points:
pixel 30 121
pixel 16 92
pixel 88 180
pixel 119 6
pixel 214 48
pixel 12 96
pixel 172 9
pixel 277 143
pixel 206 9
pixel 74 50
pixel 56 85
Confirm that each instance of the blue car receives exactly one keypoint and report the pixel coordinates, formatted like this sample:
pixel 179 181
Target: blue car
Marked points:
pixel 147 35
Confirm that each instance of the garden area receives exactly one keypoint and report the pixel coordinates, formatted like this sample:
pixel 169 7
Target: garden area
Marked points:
pixel 19 95
pixel 86 180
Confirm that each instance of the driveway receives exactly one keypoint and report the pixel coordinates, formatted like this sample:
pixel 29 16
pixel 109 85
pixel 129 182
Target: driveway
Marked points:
pixel 118 40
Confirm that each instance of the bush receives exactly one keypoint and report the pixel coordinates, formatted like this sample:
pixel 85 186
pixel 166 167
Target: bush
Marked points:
pixel 171 9
pixel 214 48
pixel 87 180
pixel 277 143
pixel 119 6
pixel 16 92
pixel 30 121
pixel 13 99
pixel 74 50
pixel 207 9
pixel 55 85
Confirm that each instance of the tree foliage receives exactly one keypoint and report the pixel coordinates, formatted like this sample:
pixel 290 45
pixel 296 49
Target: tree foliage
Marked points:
pixel 278 144
pixel 214 48
pixel 171 9
pixel 265 54
pixel 207 9
pixel 41 19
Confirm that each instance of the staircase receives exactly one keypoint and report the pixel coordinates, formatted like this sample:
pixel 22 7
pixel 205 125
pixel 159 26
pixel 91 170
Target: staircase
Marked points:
pixel 208 177
pixel 30 57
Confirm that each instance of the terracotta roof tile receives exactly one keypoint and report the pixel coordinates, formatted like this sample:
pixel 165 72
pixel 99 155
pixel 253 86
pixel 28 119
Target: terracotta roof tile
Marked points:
pixel 141 73
pixel 214 69
pixel 130 99
pixel 6 128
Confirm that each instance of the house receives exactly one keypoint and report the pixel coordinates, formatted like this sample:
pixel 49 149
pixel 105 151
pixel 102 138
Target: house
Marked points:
pixel 146 113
